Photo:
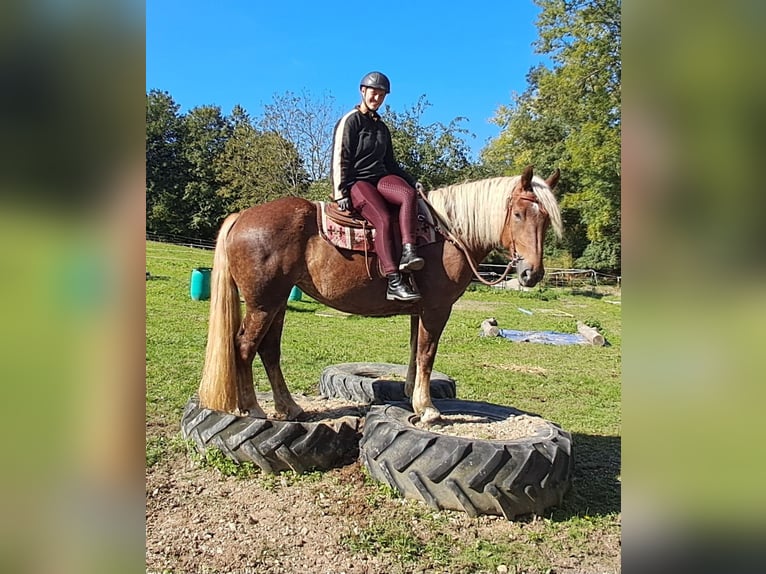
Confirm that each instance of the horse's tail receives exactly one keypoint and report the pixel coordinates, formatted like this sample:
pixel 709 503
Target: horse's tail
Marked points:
pixel 218 389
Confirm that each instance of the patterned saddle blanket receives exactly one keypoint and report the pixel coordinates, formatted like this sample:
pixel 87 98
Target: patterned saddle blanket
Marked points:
pixel 357 234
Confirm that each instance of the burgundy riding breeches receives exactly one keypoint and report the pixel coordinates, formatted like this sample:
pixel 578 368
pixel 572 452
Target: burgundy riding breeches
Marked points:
pixel 376 205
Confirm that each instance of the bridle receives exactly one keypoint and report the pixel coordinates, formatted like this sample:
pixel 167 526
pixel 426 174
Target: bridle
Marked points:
pixel 443 228
pixel 526 196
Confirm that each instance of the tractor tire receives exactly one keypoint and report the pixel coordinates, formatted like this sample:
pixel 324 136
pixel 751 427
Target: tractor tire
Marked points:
pixel 509 477
pixel 273 445
pixel 373 383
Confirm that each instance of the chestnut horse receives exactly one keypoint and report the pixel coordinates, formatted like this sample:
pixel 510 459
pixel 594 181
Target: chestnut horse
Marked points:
pixel 264 250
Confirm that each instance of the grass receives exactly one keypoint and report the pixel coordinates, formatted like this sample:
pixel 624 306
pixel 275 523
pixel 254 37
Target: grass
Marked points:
pixel 577 387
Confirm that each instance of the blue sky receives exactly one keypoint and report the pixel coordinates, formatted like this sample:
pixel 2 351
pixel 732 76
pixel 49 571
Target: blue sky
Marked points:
pixel 467 60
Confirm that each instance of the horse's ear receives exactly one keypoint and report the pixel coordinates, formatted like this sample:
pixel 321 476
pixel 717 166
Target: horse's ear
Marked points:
pixel 526 177
pixel 553 179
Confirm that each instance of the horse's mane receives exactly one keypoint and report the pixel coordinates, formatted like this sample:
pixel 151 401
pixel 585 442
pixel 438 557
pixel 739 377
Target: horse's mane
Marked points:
pixel 476 210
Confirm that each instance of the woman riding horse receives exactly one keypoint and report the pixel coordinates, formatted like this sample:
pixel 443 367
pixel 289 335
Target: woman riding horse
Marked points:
pixel 263 251
pixel 366 177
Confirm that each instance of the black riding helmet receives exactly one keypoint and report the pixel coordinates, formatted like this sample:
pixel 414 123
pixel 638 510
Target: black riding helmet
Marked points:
pixel 376 80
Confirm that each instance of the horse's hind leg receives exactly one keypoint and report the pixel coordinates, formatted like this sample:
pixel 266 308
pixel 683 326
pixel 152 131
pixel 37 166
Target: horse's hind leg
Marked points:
pixel 250 333
pixel 270 351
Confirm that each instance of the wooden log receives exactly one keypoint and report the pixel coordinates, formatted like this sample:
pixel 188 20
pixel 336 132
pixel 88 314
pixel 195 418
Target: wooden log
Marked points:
pixel 593 336
pixel 489 328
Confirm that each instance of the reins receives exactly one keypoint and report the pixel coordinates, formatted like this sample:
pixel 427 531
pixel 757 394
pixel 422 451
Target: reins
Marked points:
pixel 443 228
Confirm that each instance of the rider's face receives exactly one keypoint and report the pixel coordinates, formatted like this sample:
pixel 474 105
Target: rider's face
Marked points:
pixel 373 98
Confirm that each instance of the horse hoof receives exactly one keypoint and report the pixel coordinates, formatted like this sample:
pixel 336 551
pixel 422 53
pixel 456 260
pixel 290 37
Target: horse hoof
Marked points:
pixel 256 413
pixel 293 414
pixel 430 416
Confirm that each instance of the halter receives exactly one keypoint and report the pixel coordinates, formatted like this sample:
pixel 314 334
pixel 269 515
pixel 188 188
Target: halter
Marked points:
pixel 526 196
pixel 442 228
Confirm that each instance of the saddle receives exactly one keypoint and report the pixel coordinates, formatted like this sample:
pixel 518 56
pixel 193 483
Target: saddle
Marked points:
pixel 349 230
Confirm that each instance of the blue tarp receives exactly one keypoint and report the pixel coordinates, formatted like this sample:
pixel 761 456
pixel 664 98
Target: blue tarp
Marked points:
pixel 547 337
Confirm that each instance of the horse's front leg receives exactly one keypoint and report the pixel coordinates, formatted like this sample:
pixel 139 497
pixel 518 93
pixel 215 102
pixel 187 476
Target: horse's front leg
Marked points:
pixel 412 367
pixel 431 326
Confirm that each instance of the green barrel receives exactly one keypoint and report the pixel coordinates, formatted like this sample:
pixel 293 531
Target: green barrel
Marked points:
pixel 295 294
pixel 200 283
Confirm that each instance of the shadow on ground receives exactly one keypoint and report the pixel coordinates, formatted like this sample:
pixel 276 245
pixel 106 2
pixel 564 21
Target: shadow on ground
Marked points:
pixel 595 483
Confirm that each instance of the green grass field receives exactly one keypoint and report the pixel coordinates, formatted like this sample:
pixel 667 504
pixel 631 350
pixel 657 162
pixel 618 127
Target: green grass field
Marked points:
pixel 576 386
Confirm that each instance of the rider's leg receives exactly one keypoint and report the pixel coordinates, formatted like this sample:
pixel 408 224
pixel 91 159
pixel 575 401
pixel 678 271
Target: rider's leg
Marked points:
pixel 398 192
pixel 371 205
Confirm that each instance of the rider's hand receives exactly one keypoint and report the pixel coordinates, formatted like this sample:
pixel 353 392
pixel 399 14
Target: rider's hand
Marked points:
pixel 344 204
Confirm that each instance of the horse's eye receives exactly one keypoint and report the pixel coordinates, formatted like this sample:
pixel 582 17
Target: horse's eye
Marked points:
pixel 517 215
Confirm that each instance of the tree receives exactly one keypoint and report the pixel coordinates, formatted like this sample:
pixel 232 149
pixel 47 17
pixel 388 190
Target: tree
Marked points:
pixel 434 154
pixel 205 136
pixel 256 167
pixel 306 125
pixel 166 166
pixel 569 117
pixel 204 165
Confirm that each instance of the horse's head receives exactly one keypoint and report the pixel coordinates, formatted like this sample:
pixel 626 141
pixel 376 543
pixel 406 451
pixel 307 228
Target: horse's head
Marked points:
pixel 531 207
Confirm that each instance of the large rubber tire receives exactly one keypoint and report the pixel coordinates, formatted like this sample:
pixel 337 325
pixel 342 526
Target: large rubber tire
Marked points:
pixel 507 478
pixel 373 383
pixel 273 445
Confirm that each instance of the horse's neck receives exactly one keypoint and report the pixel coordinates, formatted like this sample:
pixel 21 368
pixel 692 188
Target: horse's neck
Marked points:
pixel 455 229
pixel 477 255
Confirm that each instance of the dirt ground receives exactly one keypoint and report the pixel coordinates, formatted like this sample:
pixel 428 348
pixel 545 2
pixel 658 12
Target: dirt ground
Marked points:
pixel 200 521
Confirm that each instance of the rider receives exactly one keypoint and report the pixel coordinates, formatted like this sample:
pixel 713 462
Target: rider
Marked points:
pixel 366 177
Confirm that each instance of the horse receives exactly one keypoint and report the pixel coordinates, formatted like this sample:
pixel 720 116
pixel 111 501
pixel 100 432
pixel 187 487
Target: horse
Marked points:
pixel 263 251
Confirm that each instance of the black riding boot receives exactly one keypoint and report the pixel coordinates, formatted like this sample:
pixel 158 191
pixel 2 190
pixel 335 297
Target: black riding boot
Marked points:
pixel 399 289
pixel 410 260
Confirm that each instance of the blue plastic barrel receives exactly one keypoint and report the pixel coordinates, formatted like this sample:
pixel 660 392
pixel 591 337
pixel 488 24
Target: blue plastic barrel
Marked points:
pixel 295 294
pixel 200 283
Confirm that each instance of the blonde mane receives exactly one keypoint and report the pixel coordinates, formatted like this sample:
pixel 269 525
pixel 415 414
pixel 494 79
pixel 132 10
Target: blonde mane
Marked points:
pixel 476 211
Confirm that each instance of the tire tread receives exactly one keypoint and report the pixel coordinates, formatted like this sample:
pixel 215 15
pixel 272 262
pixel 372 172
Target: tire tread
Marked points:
pixel 272 445
pixel 506 478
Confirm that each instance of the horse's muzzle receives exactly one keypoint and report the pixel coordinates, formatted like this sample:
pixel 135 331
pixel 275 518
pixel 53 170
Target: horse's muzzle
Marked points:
pixel 529 276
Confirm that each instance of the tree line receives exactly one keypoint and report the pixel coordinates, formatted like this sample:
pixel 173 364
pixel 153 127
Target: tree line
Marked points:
pixel 203 164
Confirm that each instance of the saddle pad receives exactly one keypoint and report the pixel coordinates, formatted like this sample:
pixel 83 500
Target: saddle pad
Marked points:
pixel 353 238
pixel 362 239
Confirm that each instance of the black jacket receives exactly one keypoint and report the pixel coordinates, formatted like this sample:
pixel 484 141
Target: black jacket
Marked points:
pixel 362 151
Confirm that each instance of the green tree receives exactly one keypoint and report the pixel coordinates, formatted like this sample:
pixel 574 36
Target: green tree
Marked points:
pixel 166 166
pixel 434 154
pixel 569 117
pixel 205 136
pixel 255 167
